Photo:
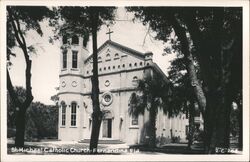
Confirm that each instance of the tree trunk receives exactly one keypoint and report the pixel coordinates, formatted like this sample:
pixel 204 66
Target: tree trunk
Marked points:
pixel 97 119
pixel 20 127
pixel 217 113
pixel 152 129
pixel 221 76
pixel 20 122
pixel 218 124
pixel 97 114
pixel 191 125
pixel 189 63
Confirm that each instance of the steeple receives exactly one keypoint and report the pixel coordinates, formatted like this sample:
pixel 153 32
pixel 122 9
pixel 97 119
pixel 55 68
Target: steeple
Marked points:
pixel 74 52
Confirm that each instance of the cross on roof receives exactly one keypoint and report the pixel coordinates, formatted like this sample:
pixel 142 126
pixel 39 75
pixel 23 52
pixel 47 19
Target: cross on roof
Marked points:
pixel 109 33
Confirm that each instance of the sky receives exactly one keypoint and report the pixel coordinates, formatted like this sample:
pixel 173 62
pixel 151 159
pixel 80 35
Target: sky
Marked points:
pixel 46 61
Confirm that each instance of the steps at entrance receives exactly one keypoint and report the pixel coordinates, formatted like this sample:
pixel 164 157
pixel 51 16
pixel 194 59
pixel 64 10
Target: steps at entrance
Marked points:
pixel 103 141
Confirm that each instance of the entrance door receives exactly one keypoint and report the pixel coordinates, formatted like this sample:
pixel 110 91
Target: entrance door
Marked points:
pixel 107 128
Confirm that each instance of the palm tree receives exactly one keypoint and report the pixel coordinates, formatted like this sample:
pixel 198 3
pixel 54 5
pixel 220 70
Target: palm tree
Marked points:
pixel 154 95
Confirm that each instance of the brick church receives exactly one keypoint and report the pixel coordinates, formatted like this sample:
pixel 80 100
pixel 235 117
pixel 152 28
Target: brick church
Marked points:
pixel 120 68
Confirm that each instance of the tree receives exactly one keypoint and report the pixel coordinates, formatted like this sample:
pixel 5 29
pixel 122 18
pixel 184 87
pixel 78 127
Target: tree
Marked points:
pixel 182 98
pixel 35 125
pixel 151 100
pixel 218 50
pixel 20 19
pixel 11 110
pixel 55 99
pixel 84 20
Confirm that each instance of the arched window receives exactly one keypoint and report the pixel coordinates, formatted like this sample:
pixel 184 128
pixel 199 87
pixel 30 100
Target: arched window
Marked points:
pixel 74 59
pixel 63 106
pixel 119 66
pixel 134 120
pixel 99 58
pixel 135 78
pixel 109 67
pixel 73 114
pixel 116 56
pixel 100 69
pixel 64 59
pixel 135 64
pixel 135 81
pixel 130 65
pixel 108 57
pixel 123 65
pixel 132 107
pixel 113 67
pixel 75 39
pixel 65 39
pixel 140 63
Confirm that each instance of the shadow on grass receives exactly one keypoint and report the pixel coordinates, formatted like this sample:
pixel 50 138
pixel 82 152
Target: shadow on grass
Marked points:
pixel 169 149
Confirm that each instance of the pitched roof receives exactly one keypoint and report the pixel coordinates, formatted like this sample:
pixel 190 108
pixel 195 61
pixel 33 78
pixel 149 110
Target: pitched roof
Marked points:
pixel 119 46
pixel 160 72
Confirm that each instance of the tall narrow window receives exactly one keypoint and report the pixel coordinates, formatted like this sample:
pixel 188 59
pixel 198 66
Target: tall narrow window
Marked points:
pixel 73 114
pixel 135 81
pixel 63 113
pixel 133 102
pixel 65 39
pixel 134 120
pixel 74 59
pixel 75 39
pixel 64 59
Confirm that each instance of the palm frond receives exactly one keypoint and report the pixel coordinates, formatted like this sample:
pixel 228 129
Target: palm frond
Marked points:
pixel 136 105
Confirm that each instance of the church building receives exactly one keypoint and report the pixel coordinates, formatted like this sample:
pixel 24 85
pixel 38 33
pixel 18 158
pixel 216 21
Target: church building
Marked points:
pixel 119 69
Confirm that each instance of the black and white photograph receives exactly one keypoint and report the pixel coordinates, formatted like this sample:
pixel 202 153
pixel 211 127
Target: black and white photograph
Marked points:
pixel 125 81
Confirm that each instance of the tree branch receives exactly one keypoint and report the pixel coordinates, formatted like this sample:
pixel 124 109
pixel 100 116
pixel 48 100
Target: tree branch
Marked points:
pixel 18 33
pixel 193 28
pixel 11 91
pixel 181 33
pixel 144 40
pixel 22 37
pixel 14 27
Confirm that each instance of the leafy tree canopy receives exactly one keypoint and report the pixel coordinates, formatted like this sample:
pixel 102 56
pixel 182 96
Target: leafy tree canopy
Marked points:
pixel 26 18
pixel 78 20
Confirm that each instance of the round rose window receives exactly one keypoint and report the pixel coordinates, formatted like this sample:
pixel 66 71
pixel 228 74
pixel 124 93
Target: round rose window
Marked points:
pixel 107 99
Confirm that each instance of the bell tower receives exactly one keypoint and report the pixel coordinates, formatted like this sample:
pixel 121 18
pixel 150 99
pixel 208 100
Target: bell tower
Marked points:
pixel 73 54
